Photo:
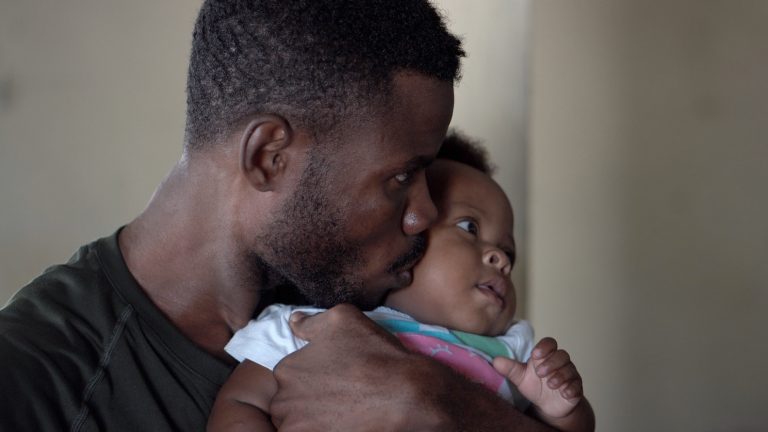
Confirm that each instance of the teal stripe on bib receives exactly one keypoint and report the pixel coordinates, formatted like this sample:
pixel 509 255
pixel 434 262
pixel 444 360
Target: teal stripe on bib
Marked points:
pixel 487 344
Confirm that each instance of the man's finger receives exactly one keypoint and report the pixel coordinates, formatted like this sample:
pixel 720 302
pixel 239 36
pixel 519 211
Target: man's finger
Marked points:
pixel 512 369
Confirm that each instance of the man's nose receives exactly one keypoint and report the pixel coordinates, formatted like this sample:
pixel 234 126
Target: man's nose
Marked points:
pixel 420 212
pixel 495 257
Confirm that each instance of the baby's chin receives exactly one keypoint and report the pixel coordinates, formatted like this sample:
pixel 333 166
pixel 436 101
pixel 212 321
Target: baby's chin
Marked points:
pixel 502 326
pixel 487 328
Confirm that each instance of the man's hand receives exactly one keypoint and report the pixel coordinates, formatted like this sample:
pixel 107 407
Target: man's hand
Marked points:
pixel 355 376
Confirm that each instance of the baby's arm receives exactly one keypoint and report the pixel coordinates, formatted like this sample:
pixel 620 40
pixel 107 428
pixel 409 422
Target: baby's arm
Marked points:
pixel 550 381
pixel 243 401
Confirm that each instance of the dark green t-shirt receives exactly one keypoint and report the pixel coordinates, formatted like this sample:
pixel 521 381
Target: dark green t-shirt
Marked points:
pixel 82 348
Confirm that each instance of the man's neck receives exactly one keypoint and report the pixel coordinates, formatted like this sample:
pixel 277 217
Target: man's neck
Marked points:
pixel 183 255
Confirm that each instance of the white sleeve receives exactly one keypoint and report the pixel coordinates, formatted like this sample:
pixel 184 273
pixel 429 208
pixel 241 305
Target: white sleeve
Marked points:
pixel 519 339
pixel 268 338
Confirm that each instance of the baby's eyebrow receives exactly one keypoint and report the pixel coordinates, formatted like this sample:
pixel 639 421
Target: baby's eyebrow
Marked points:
pixel 513 249
pixel 469 206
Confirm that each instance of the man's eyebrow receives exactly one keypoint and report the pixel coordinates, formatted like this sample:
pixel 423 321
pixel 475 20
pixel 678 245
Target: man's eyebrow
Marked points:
pixel 420 162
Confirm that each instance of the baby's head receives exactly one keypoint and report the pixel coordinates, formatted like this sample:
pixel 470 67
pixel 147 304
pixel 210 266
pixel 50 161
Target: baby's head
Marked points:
pixel 463 281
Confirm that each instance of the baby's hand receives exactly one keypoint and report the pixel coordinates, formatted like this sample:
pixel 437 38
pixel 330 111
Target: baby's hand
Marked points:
pixel 549 380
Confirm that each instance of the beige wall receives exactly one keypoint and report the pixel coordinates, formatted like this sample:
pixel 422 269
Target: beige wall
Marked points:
pixel 648 206
pixel 91 118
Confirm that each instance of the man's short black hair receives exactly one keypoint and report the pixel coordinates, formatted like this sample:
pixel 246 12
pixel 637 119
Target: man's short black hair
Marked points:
pixel 460 148
pixel 313 61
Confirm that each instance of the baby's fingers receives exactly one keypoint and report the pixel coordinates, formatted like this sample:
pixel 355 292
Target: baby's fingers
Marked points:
pixel 573 390
pixel 563 376
pixel 544 348
pixel 555 361
pixel 512 369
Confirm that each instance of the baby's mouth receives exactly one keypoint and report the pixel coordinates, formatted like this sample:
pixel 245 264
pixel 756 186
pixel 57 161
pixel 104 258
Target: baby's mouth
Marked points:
pixel 496 288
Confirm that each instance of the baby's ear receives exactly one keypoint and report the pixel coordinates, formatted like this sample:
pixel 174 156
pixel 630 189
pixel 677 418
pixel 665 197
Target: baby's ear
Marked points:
pixel 266 151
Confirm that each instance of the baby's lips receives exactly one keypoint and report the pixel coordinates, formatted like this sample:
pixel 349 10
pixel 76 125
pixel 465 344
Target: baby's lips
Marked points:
pixel 498 285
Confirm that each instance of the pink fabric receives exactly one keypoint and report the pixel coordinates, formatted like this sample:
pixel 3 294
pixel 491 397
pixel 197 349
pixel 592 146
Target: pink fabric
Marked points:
pixel 460 359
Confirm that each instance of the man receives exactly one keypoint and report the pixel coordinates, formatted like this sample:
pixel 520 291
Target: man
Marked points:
pixel 309 124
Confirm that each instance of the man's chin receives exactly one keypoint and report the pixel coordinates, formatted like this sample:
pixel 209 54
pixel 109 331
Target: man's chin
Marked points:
pixel 360 294
pixel 329 293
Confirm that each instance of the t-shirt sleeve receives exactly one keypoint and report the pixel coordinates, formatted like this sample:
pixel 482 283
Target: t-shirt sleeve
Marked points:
pixel 34 395
pixel 268 338
pixel 519 339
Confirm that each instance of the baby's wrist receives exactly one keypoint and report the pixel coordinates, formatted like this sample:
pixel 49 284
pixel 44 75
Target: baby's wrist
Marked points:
pixel 541 413
pixel 580 418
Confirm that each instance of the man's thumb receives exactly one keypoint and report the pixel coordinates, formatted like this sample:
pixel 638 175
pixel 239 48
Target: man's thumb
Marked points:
pixel 512 369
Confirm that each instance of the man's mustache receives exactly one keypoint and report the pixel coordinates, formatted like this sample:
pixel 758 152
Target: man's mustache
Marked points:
pixel 418 247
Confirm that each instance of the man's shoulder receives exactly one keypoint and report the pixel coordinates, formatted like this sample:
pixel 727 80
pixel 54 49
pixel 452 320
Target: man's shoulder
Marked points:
pixel 62 288
pixel 60 310
pixel 51 338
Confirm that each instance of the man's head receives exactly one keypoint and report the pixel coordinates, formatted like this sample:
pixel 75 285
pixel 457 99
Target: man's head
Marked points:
pixel 354 226
pixel 336 108
pixel 315 62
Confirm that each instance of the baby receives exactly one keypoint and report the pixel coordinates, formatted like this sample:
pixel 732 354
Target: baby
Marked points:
pixel 459 309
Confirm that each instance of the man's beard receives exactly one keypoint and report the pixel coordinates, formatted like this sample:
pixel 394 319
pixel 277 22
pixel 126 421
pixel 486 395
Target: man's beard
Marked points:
pixel 305 256
pixel 304 252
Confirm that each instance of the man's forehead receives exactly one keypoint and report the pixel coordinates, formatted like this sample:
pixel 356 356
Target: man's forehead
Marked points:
pixel 396 143
pixel 421 97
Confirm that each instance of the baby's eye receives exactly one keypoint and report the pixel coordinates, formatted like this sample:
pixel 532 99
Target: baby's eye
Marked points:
pixel 468 225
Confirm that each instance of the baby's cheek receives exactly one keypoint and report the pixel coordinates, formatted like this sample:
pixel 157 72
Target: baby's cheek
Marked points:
pixel 406 300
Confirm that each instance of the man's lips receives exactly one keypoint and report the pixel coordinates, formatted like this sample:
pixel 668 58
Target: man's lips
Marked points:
pixel 407 260
pixel 402 268
pixel 405 277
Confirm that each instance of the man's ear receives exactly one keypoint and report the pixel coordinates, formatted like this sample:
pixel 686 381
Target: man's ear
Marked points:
pixel 263 150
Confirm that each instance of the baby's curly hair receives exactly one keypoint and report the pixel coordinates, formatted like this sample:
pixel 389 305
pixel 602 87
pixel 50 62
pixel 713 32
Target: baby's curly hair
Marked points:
pixel 314 62
pixel 460 148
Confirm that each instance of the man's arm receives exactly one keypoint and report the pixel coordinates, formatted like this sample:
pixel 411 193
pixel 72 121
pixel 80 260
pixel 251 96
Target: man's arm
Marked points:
pixel 353 375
